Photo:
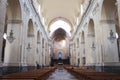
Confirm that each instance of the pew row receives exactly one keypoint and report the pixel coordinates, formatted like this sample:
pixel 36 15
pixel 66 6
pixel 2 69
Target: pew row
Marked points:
pixel 86 74
pixel 39 74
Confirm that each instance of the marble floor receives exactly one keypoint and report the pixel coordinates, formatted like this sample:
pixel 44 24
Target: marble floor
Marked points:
pixel 61 75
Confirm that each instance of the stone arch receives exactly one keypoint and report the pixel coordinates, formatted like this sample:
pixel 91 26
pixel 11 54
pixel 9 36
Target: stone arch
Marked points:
pixel 83 58
pixel 82 37
pixel 109 18
pixel 91 42
pixel 78 42
pixel 12 18
pixel 59 34
pixel 13 10
pixel 30 32
pixel 107 6
pixel 63 19
pixel 12 25
pixel 38 37
pixel 43 42
pixel 38 48
pixel 91 30
pixel 38 41
pixel 91 33
pixel 31 43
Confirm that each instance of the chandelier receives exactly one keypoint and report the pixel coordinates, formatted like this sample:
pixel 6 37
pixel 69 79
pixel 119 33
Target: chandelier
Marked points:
pixel 11 38
pixel 28 47
pixel 93 46
pixel 112 37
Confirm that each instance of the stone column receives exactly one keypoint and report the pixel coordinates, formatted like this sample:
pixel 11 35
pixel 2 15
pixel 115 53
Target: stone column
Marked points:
pixel 3 4
pixel 118 7
pixel 82 52
pixel 72 55
pixel 43 52
pixel 12 50
pixel 91 55
pixel 110 50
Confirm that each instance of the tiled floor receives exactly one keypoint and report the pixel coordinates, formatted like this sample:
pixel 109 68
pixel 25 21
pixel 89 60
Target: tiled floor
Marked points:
pixel 61 75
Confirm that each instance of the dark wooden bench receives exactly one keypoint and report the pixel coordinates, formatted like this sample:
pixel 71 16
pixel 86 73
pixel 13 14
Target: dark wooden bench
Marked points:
pixel 87 74
pixel 40 74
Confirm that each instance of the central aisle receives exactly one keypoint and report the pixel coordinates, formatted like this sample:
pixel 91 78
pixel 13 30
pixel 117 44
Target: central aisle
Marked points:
pixel 61 75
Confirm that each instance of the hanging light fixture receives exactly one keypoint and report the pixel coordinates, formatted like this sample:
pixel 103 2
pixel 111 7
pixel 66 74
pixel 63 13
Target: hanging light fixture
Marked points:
pixel 28 47
pixel 11 38
pixel 93 46
pixel 111 37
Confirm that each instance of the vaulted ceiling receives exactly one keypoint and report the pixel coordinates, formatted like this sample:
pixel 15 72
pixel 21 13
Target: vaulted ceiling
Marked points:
pixel 59 35
pixel 67 10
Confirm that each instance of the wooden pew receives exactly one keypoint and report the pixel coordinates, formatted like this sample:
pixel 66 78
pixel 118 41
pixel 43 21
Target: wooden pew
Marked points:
pixel 40 74
pixel 87 74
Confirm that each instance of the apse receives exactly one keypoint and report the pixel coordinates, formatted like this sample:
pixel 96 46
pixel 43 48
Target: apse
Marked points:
pixel 59 35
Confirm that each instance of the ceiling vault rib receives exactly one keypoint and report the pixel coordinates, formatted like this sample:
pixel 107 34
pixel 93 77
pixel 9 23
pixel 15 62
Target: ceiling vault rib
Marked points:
pixel 67 10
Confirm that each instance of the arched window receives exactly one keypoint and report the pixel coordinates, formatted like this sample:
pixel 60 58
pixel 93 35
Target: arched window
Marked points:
pixel 59 54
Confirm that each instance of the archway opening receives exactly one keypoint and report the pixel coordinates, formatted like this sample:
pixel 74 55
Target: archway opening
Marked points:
pixel 30 46
pixel 12 15
pixel 82 38
pixel 107 6
pixel 91 31
pixel 38 42
pixel 83 58
pixel 91 43
pixel 60 24
pixel 38 59
pixel 30 29
pixel 30 35
pixel 112 20
pixel 60 42
pixel 38 37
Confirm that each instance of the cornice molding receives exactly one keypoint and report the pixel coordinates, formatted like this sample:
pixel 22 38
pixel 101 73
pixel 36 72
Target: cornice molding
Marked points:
pixel 108 21
pixel 89 10
pixel 14 21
